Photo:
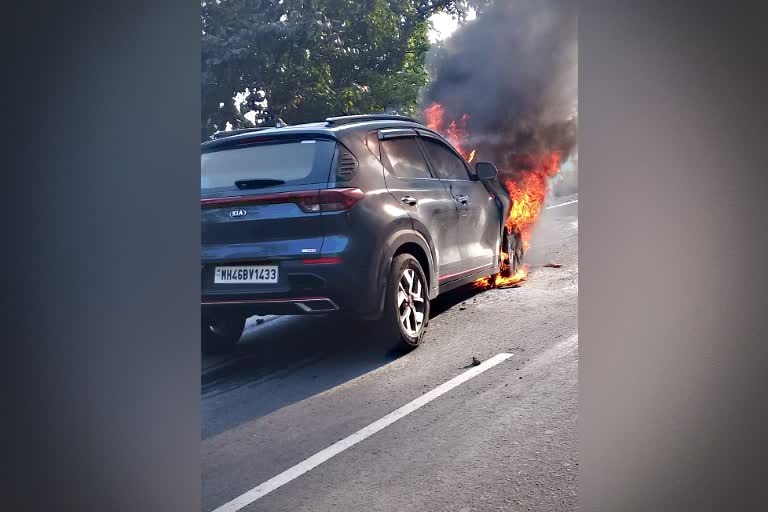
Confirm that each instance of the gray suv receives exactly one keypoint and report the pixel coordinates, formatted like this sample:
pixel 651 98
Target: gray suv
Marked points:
pixel 370 215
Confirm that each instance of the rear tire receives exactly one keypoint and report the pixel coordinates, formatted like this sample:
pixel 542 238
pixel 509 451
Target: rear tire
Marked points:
pixel 220 334
pixel 406 308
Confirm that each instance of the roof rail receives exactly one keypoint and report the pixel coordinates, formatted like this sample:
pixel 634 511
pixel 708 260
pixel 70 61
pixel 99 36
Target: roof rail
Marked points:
pixel 336 121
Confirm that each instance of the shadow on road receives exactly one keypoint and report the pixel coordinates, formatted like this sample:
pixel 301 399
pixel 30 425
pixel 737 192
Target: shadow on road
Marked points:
pixel 282 362
pixel 452 298
pixel 290 359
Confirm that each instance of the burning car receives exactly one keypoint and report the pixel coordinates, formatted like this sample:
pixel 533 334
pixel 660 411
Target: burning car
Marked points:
pixel 370 215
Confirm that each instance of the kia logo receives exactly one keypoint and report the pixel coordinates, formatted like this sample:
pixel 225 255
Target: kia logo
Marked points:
pixel 238 213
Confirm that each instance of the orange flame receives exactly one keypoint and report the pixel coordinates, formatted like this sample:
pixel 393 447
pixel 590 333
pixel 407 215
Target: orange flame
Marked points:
pixel 526 179
pixel 455 132
pixel 529 190
pixel 501 282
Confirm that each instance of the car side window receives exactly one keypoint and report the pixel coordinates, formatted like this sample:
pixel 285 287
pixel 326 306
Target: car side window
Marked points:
pixel 405 159
pixel 445 163
pixel 372 143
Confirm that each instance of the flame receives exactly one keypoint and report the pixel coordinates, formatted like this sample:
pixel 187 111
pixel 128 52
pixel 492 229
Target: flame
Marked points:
pixel 500 282
pixel 434 115
pixel 528 190
pixel 456 131
pixel 525 176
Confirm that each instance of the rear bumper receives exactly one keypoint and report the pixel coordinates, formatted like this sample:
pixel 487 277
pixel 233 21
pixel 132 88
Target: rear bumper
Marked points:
pixel 302 290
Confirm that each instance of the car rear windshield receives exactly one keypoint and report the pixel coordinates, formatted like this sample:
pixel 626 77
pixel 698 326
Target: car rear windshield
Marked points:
pixel 264 165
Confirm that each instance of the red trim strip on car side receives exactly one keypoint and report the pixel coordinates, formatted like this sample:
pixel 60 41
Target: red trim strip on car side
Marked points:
pixel 449 276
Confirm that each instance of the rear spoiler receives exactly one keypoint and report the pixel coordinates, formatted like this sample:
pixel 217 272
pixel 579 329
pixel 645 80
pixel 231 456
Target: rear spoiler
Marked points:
pixel 266 135
pixel 229 133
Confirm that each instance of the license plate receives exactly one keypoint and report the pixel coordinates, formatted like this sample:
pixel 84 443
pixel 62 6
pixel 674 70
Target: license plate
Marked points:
pixel 261 274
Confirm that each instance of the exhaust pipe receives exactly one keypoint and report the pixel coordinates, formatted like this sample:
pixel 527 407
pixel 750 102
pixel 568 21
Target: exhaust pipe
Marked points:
pixel 317 306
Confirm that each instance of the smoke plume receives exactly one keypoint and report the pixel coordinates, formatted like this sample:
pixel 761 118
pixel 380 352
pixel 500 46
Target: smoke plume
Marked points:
pixel 513 71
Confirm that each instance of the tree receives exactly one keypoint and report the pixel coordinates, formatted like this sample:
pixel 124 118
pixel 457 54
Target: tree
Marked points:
pixel 302 60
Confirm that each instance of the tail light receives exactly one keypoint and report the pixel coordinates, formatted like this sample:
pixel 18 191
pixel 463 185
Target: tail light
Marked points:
pixel 310 201
pixel 331 200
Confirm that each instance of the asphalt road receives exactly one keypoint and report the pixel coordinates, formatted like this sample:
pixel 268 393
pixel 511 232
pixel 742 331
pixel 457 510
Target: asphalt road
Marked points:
pixel 503 440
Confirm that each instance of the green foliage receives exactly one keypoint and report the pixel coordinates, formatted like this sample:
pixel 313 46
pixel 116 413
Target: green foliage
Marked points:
pixel 313 58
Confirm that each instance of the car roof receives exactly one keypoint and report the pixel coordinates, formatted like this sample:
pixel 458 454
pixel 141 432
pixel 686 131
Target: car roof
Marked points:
pixel 332 127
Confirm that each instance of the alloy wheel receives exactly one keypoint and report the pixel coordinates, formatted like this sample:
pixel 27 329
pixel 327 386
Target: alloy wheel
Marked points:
pixel 410 302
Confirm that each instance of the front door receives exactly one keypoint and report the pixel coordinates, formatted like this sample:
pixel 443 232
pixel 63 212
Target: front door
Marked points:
pixel 478 223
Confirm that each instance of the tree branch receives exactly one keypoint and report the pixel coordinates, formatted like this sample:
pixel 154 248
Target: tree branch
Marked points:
pixel 429 8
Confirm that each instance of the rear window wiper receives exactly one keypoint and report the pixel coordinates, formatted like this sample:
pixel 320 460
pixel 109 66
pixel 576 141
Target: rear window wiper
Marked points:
pixel 262 183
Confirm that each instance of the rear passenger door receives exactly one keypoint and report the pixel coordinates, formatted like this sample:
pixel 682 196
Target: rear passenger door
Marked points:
pixel 431 207
pixel 478 229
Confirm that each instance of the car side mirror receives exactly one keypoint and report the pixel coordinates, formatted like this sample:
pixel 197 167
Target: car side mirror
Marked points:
pixel 486 171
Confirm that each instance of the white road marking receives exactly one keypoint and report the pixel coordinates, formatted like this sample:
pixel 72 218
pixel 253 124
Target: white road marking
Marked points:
pixel 312 462
pixel 563 204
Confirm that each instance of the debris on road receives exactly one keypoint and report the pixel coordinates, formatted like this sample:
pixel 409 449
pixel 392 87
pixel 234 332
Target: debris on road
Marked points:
pixel 553 265
pixel 475 361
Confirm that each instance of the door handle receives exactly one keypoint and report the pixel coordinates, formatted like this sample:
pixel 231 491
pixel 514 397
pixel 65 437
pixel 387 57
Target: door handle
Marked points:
pixel 409 200
pixel 462 199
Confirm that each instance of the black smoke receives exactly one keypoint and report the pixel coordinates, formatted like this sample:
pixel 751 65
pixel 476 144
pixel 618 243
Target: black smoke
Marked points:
pixel 513 70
